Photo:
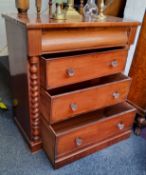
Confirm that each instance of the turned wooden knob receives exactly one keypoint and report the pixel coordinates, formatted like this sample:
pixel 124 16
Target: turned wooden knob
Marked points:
pixel 70 72
pixel 114 63
pixel 116 95
pixel 121 126
pixel 74 107
pixel 78 141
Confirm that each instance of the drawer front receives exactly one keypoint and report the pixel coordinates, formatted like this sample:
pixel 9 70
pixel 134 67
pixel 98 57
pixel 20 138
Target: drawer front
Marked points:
pixel 72 69
pixel 71 39
pixel 104 129
pixel 71 104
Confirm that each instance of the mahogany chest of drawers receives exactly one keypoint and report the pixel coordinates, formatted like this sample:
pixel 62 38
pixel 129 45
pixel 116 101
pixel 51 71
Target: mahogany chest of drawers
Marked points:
pixel 67 82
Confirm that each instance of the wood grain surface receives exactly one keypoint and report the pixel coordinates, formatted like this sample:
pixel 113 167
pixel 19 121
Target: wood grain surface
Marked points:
pixel 137 94
pixel 31 21
pixel 55 71
pixel 32 38
pixel 85 96
pixel 89 129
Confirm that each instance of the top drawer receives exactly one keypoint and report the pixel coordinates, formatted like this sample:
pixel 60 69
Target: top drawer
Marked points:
pixel 59 70
pixel 71 39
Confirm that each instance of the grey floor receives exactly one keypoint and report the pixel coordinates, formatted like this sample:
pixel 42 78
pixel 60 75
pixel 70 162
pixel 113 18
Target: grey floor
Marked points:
pixel 125 158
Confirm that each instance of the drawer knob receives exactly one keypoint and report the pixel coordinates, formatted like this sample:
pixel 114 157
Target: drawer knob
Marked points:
pixel 78 141
pixel 70 72
pixel 114 63
pixel 74 107
pixel 121 126
pixel 116 95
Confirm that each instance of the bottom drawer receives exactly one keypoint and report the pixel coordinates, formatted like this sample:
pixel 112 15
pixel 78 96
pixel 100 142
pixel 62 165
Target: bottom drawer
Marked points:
pixel 77 137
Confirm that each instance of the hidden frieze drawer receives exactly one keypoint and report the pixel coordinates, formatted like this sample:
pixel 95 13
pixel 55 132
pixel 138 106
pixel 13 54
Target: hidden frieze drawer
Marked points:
pixel 66 102
pixel 77 137
pixel 60 69
pixel 71 39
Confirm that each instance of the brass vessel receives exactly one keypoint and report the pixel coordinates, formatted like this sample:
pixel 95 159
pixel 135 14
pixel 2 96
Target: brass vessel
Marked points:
pixel 22 6
pixel 101 15
pixel 102 8
pixel 70 12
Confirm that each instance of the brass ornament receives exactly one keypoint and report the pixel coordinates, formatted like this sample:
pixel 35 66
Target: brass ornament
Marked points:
pixel 102 7
pixel 70 12
pixel 101 15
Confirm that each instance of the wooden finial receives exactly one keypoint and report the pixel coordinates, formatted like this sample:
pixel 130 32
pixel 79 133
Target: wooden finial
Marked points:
pixel 38 4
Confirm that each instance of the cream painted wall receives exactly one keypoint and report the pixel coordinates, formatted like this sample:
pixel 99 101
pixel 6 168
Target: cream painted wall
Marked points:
pixel 8 6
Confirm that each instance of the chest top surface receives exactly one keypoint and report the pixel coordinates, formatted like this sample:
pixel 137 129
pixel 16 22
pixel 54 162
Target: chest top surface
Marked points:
pixel 44 35
pixel 32 21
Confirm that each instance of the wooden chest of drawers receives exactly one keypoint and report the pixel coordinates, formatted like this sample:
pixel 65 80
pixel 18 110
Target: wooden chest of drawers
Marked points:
pixel 68 84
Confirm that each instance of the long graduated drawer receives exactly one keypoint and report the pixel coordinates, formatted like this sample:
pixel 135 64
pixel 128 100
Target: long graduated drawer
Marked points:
pixel 66 102
pixel 72 139
pixel 64 69
pixel 82 38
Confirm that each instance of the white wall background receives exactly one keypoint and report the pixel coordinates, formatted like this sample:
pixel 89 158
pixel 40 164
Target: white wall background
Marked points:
pixel 134 10
pixel 8 6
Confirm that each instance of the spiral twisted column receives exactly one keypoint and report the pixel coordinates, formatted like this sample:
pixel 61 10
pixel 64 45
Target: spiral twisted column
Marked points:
pixel 34 97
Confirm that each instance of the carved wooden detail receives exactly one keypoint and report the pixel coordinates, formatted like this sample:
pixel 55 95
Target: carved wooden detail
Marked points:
pixel 34 97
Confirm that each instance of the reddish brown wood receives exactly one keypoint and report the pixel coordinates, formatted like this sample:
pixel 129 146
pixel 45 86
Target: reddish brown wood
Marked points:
pixel 116 8
pixel 91 149
pixel 34 94
pixel 34 146
pixel 132 33
pixel 66 143
pixel 83 38
pixel 137 94
pixel 86 96
pixel 35 37
pixel 90 129
pixel 34 42
pixel 19 70
pixel 50 143
pixel 55 71
pixel 46 23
